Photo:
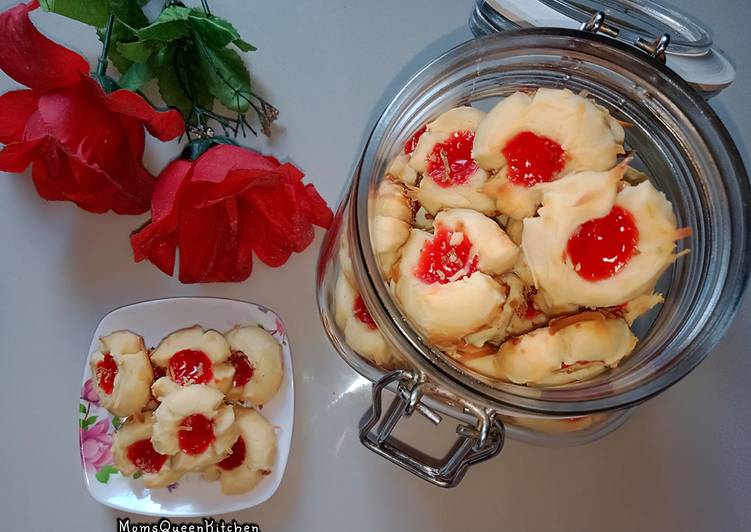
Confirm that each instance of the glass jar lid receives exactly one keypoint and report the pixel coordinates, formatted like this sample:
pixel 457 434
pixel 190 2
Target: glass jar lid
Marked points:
pixel 690 52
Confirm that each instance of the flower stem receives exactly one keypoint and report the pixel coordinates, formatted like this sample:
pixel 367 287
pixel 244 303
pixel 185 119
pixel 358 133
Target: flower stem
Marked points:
pixel 101 67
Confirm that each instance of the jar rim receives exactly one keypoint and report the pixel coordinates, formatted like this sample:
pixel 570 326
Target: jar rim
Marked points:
pixel 735 253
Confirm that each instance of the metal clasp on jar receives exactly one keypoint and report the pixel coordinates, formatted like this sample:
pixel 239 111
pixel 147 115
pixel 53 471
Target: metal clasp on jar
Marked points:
pixel 475 443
pixel 656 48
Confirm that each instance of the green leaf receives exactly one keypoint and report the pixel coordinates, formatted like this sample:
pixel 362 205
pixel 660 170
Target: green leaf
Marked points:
pixel 121 32
pixel 116 422
pixel 244 45
pixel 130 12
pixel 138 75
pixel 217 32
pixel 171 24
pixel 137 51
pixel 138 474
pixel 103 475
pixel 87 422
pixel 169 84
pixel 82 408
pixel 92 12
pixel 227 76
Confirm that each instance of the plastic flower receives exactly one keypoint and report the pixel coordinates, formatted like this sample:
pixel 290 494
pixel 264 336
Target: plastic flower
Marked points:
pixel 221 208
pixel 96 445
pixel 84 146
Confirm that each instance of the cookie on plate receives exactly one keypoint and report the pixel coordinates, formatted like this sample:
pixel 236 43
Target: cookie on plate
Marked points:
pixel 192 356
pixel 257 359
pixel 194 426
pixel 122 373
pixel 133 453
pixel 252 456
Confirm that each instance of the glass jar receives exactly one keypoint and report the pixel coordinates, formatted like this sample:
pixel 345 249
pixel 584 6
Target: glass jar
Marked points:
pixel 678 140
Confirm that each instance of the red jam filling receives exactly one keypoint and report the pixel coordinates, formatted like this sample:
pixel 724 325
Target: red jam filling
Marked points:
pixel 190 367
pixel 243 369
pixel 440 260
pixel 159 372
pixel 451 163
pixel 196 434
pixel 144 457
pixel 600 248
pixel 236 457
pixel 533 159
pixel 106 370
pixel 362 313
pixel 411 144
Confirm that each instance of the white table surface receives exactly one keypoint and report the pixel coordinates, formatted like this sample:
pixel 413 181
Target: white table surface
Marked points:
pixel 683 462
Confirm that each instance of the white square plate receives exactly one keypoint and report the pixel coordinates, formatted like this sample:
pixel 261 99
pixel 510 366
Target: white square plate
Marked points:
pixel 191 496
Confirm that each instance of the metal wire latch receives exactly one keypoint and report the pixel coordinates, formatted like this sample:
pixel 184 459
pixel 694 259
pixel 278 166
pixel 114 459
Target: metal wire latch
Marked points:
pixel 655 48
pixel 474 444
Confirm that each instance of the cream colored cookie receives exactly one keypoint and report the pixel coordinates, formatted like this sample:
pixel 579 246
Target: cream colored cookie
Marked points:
pixel 254 347
pixel 496 252
pixel 391 223
pixel 583 197
pixel 133 452
pixel 360 331
pixel 401 170
pixel 192 356
pixel 569 349
pixel 467 193
pixel 447 309
pixel 589 137
pixel 121 373
pixel 345 259
pixel 194 426
pixel 252 457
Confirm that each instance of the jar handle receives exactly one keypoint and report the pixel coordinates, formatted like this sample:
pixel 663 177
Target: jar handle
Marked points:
pixel 475 444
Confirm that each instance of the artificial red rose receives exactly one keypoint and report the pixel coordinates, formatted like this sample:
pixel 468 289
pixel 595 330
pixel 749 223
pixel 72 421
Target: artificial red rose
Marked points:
pixel 84 146
pixel 221 208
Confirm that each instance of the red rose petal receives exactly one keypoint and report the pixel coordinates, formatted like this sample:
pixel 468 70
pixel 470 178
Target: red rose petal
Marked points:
pixel 168 186
pixel 32 59
pixel 161 251
pixel 274 201
pixel 307 198
pixel 215 164
pixel 225 266
pixel 44 184
pixel 164 125
pixel 157 239
pixel 273 160
pixel 291 172
pixel 76 118
pixel 198 234
pixel 316 209
pixel 89 187
pixel 134 134
pixel 270 248
pixel 16 107
pixel 16 157
pixel 245 240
